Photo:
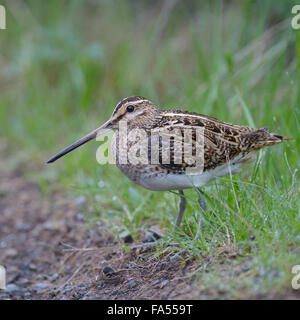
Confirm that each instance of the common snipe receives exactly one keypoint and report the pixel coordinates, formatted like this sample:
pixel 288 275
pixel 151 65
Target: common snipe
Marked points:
pixel 224 147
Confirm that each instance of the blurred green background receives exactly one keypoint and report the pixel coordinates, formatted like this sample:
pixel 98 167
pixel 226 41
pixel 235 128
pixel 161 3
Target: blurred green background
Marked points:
pixel 65 64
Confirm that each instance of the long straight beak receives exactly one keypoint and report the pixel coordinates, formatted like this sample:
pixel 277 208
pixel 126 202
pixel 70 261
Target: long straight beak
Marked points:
pixel 80 142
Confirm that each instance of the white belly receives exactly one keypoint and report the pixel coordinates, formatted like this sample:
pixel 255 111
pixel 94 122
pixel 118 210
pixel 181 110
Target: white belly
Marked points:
pixel 149 178
pixel 162 182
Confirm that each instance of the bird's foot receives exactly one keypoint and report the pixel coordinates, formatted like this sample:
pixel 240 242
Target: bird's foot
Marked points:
pixel 153 235
pixel 201 221
pixel 153 238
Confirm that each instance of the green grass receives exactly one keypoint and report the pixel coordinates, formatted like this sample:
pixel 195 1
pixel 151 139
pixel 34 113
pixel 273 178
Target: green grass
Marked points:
pixel 65 64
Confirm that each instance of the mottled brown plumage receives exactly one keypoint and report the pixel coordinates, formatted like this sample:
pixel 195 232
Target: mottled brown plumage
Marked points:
pixel 226 146
pixel 223 141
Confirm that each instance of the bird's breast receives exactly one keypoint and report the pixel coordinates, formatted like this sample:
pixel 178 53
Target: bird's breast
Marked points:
pixel 159 177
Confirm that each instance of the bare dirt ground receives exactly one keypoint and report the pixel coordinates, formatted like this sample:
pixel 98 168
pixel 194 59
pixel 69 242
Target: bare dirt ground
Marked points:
pixel 50 253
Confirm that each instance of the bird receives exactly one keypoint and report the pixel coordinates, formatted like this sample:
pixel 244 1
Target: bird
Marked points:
pixel 224 147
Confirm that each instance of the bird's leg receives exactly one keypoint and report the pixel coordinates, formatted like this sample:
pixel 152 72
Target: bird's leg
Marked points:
pixel 154 239
pixel 201 200
pixel 203 208
pixel 154 236
pixel 182 206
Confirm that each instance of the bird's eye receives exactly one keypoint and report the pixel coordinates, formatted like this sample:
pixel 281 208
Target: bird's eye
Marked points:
pixel 130 108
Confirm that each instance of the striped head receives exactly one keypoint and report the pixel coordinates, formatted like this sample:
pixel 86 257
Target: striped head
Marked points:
pixel 136 111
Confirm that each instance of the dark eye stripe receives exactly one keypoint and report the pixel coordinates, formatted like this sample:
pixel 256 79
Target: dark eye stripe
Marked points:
pixel 128 99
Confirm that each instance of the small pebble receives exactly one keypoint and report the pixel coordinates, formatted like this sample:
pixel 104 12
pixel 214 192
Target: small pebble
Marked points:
pixel 115 292
pixel 23 281
pixel 32 267
pixel 12 288
pixel 54 277
pixel 23 227
pixel 164 283
pixel 126 237
pixel 153 235
pixel 156 282
pixel 150 237
pixel 27 295
pixel 40 286
pixel 132 284
pixel 80 217
pixel 3 244
pixel 67 289
pixel 108 270
pixel 11 252
pixel 245 269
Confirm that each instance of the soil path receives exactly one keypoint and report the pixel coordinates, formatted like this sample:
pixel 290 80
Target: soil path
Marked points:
pixel 49 253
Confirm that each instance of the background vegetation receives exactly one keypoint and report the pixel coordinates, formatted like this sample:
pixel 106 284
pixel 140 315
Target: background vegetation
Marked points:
pixel 65 64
